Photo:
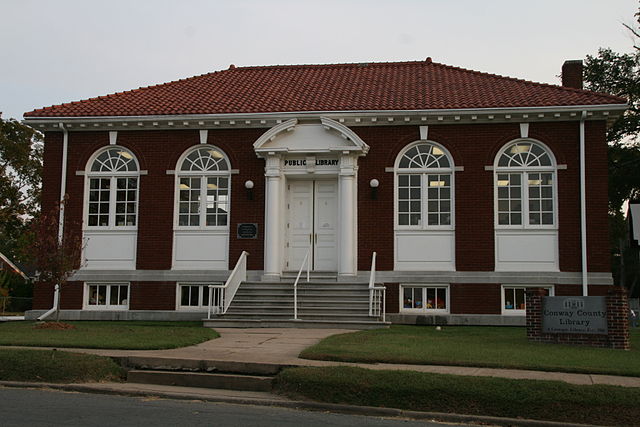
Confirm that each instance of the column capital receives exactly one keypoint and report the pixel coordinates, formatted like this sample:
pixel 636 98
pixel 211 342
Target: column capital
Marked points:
pixel 348 164
pixel 273 166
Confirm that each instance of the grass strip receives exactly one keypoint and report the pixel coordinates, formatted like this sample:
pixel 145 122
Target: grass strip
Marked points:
pixel 108 335
pixel 541 400
pixel 494 347
pixel 56 366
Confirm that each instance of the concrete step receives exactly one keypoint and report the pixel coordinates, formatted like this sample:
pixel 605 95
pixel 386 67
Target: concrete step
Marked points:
pixel 200 379
pixel 304 303
pixel 302 315
pixel 196 365
pixel 319 324
pixel 327 293
pixel 281 285
pixel 326 311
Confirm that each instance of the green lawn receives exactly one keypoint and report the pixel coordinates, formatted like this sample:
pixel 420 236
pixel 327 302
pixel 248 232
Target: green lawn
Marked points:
pixel 56 366
pixel 542 400
pixel 113 335
pixel 501 347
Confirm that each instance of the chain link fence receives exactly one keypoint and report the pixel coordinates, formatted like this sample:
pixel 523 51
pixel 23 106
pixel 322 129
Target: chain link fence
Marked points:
pixel 9 305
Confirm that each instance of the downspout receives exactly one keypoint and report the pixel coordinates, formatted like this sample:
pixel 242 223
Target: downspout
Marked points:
pixel 63 192
pixel 583 206
pixel 63 180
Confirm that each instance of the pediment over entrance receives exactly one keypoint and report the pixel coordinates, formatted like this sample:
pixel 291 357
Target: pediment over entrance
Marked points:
pixel 321 137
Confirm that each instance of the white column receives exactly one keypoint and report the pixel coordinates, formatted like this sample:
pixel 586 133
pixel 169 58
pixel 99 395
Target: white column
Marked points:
pixel 272 234
pixel 347 265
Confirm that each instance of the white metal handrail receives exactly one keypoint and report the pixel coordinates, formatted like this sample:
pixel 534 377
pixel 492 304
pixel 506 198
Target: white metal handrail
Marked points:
pixel 220 296
pixel 377 294
pixel 307 261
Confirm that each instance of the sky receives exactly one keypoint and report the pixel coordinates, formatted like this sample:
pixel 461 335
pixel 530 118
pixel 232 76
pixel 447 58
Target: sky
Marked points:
pixel 66 50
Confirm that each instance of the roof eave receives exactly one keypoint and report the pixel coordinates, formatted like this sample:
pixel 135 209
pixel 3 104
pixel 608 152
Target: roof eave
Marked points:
pixel 350 117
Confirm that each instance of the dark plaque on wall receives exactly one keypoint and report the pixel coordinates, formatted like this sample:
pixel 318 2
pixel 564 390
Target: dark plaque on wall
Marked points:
pixel 248 231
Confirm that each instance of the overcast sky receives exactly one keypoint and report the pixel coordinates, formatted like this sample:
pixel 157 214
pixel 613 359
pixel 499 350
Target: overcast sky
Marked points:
pixel 66 50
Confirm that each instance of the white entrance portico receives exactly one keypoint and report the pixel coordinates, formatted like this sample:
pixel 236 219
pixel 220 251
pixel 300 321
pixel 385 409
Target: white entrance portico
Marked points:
pixel 311 196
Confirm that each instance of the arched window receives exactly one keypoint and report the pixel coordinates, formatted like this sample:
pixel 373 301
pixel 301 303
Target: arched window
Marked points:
pixel 525 173
pixel 203 188
pixel 424 172
pixel 112 176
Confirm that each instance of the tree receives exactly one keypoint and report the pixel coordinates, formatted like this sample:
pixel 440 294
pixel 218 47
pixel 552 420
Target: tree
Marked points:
pixel 619 74
pixel 55 259
pixel 20 181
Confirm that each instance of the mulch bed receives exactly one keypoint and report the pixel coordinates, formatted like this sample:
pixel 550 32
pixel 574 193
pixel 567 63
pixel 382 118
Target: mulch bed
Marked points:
pixel 54 325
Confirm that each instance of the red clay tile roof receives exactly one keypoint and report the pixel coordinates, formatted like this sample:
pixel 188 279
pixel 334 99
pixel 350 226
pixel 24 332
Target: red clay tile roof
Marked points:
pixel 420 85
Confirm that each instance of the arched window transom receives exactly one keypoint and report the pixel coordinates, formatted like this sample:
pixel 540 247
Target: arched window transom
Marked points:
pixel 112 179
pixel 424 176
pixel 424 155
pixel 205 160
pixel 203 188
pixel 525 185
pixel 114 160
pixel 524 154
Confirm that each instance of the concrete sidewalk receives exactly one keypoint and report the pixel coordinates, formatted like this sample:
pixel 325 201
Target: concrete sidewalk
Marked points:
pixel 283 345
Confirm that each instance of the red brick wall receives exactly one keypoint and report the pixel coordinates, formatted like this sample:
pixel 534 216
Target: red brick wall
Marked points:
pixel 70 296
pixel 157 152
pixel 392 297
pixel 152 296
pixel 474 147
pixel 471 298
pixel 594 290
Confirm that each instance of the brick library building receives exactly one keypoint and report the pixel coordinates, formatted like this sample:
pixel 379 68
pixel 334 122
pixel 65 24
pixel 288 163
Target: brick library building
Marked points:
pixel 409 192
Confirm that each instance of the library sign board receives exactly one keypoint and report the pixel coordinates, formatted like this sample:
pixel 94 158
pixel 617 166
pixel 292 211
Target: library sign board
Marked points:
pixel 574 315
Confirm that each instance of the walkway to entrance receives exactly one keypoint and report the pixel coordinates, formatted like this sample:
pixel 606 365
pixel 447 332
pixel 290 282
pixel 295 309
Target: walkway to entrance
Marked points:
pixel 282 346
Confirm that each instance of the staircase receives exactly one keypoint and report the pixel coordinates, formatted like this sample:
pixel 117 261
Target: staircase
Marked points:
pixel 322 303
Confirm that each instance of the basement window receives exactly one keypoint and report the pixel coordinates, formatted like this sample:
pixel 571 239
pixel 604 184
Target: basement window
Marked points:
pixel 514 297
pixel 107 296
pixel 195 296
pixel 426 299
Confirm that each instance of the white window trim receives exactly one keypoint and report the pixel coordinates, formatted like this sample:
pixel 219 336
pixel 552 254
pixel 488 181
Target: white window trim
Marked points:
pixel 518 312
pixel 424 310
pixel 553 169
pixel 204 305
pixel 203 176
pixel 112 196
pixel 423 172
pixel 109 307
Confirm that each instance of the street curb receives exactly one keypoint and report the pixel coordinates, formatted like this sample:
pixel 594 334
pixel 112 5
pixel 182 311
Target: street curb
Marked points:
pixel 305 405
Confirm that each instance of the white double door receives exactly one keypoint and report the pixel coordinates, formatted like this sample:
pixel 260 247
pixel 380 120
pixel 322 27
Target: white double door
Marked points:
pixel 312 223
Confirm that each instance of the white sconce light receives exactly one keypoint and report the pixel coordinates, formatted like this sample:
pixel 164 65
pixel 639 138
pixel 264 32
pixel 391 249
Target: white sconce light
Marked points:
pixel 249 186
pixel 374 183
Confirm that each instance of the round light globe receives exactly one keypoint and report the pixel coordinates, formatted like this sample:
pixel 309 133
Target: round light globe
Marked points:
pixel 374 183
pixel 248 185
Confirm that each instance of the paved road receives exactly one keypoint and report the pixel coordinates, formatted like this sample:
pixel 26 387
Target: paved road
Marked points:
pixel 34 408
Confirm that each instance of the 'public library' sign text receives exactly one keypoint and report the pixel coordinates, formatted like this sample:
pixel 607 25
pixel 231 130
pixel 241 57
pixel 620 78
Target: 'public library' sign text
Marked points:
pixel 574 315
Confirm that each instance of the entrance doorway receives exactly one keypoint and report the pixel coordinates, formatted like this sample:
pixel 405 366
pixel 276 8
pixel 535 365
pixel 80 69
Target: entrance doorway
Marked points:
pixel 312 222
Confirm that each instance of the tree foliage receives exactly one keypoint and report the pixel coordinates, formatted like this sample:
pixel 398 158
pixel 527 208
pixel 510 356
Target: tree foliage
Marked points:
pixel 55 259
pixel 20 181
pixel 619 74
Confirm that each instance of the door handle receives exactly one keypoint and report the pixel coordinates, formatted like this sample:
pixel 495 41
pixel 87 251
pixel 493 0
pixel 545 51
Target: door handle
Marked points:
pixel 316 236
pixel 310 238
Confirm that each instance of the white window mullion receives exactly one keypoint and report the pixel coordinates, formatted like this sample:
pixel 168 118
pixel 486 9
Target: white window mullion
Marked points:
pixel 112 201
pixel 524 203
pixel 203 200
pixel 424 200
